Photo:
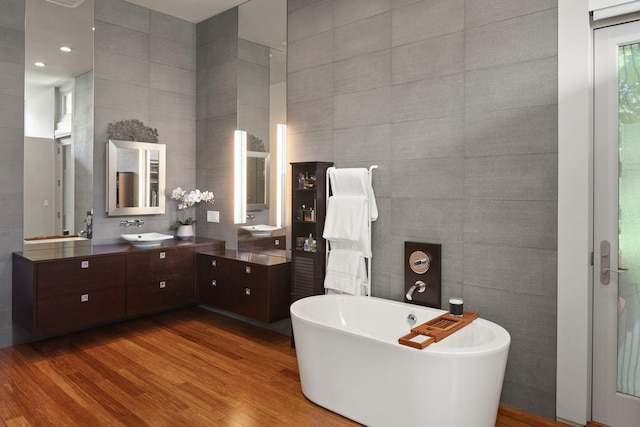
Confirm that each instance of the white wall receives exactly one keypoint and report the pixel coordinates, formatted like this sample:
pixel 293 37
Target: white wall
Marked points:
pixel 39 186
pixel 39 113
pixel 573 398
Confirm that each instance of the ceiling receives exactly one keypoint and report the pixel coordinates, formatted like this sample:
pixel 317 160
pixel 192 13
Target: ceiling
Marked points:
pixel 189 10
pixel 50 26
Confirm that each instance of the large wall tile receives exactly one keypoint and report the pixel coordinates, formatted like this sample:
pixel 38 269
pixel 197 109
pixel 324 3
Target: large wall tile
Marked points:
pixel 122 96
pixel 309 146
pixel 123 14
pixel 310 116
pixel 430 219
pixel 529 224
pixel 310 52
pixel 12 45
pixel 110 38
pixel 168 103
pixel 173 79
pixel 430 98
pixel 120 68
pixel 364 36
pixel 520 177
pixel 12 78
pixel 314 18
pixel 12 10
pixel 438 56
pixel 516 131
pixel 369 107
pixel 222 25
pixel 428 178
pixel 525 270
pixel 530 376
pixel 363 144
pixel 425 19
pixel 172 29
pixel 174 54
pixel 518 85
pixel 12 143
pixel 429 138
pixel 368 71
pixel 10 116
pixel 347 11
pixel 519 39
pixel 482 12
pixel 310 84
pixel 221 50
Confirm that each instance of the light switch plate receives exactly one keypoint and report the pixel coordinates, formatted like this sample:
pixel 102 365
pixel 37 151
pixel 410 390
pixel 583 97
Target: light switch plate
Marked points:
pixel 213 216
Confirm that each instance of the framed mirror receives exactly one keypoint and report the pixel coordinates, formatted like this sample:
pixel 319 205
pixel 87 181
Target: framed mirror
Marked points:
pixel 257 181
pixel 135 178
pixel 262 34
pixel 58 125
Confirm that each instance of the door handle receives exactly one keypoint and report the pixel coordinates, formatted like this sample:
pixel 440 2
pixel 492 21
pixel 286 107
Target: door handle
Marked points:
pixel 605 263
pixel 620 270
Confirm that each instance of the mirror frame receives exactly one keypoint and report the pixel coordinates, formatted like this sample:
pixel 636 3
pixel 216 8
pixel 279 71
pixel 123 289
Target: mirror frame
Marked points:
pixel 112 162
pixel 267 170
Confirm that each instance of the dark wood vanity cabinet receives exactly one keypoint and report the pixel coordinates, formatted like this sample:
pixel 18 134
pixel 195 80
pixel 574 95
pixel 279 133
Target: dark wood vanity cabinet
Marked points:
pixel 70 288
pixel 64 294
pixel 160 279
pixel 259 290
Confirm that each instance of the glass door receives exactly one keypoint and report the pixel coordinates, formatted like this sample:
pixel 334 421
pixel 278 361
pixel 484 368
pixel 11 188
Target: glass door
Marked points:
pixel 616 321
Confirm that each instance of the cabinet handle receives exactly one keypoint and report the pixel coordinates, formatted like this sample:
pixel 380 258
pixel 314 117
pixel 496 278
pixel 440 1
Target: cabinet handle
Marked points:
pixel 84 297
pixel 247 269
pixel 247 291
pixel 84 264
pixel 213 263
pixel 163 255
pixel 163 284
pixel 214 283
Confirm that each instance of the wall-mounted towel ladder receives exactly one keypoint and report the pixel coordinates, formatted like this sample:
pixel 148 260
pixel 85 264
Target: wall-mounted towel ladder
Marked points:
pixel 351 207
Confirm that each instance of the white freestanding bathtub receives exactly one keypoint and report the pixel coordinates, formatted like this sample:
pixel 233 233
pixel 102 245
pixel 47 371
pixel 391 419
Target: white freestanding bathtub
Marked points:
pixel 350 362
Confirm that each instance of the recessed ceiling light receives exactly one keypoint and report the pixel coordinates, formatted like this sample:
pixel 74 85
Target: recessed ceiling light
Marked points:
pixel 65 49
pixel 39 64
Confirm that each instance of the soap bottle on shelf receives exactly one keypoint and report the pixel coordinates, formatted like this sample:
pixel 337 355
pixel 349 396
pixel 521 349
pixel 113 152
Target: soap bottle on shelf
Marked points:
pixel 307 243
pixel 314 247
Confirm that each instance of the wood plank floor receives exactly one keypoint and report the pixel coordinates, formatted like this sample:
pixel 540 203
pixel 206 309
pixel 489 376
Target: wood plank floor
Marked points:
pixel 185 368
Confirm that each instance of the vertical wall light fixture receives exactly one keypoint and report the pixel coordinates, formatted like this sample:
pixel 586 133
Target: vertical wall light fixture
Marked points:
pixel 240 177
pixel 281 178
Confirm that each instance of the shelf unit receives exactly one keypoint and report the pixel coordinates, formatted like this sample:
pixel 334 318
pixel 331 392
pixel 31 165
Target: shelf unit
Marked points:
pixel 307 268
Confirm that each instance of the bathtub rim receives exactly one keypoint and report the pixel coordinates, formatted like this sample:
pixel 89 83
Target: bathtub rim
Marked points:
pixel 501 341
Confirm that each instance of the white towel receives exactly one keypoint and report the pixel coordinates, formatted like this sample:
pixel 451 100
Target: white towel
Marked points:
pixel 346 271
pixel 346 218
pixel 353 182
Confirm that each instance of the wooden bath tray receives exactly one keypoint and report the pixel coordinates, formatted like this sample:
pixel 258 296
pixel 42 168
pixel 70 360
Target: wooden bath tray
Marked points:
pixel 436 329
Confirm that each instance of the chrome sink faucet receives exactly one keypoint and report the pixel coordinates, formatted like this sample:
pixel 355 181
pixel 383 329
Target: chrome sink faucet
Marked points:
pixel 420 286
pixel 129 222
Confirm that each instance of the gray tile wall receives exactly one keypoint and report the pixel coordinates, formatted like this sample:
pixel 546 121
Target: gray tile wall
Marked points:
pixel 145 69
pixel 12 143
pixel 217 105
pixel 83 148
pixel 456 101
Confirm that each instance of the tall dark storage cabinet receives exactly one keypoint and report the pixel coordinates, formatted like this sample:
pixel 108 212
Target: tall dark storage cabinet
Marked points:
pixel 309 191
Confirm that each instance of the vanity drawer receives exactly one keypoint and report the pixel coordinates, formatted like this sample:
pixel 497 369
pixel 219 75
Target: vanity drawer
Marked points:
pixel 250 275
pixel 214 286
pixel 79 309
pixel 160 264
pixel 159 295
pixel 250 301
pixel 79 275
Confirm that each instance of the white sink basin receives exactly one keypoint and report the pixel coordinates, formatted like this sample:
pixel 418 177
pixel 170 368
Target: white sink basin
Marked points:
pixel 146 240
pixel 260 230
